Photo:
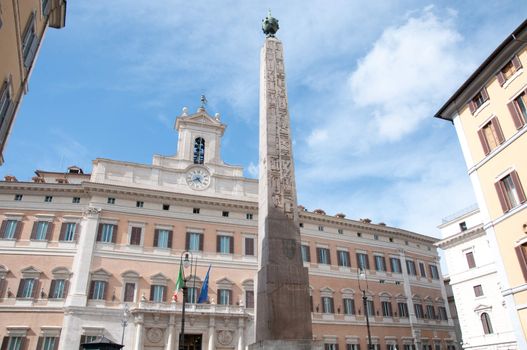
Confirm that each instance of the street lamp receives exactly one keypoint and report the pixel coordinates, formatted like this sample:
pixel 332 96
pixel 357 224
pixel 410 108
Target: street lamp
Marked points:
pixel 362 274
pixel 124 321
pixel 187 260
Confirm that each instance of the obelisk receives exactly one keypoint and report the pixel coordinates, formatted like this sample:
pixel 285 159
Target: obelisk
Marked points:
pixel 283 312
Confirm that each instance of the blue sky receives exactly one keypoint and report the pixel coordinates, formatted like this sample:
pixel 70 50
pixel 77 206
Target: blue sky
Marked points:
pixel 364 80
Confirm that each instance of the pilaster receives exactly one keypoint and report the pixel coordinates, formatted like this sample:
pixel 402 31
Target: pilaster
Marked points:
pixel 139 331
pixel 212 332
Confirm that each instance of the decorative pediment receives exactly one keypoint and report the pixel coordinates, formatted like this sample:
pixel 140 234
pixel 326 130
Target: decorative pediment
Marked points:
pixel 3 271
pixel 130 274
pixel 30 272
pixel 159 278
pixel 482 308
pixel 200 118
pixel 400 296
pixel 101 275
pixel 248 283
pixel 347 291
pixel 327 290
pixel 61 273
pixel 225 282
pixel 385 295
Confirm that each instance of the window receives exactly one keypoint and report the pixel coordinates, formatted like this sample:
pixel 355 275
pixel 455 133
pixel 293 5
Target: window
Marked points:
pixel 29 41
pixel 478 100
pixel 349 306
pixel 306 254
pixel 68 231
pixel 162 238
pixel 430 312
pixel 199 150
pixel 485 322
pixel 521 254
pixel 395 265
pixel 6 104
pixel 13 343
pixel 249 299
pixel 249 216
pixel 129 292
pixel 422 269
pixel 463 226
pixel 166 207
pixel 225 214
pixel 470 260
pixel 442 313
pixel 359 234
pixel 158 293
pixel 380 263
pixel 510 191
pixel 518 110
pixel 97 290
pixel 41 231
pixel 362 261
pixel 321 228
pixel 386 309
pixel 301 224
pixel 76 200
pixel 195 210
pixel 370 308
pixel 27 288
pixel 434 272
pixel 331 346
pixel 410 268
pixel 58 289
pixel 376 237
pixel 402 307
pixel 107 233
pixel 352 346
pixel 224 296
pixel 10 229
pixel 48 343
pixel 418 308
pixel 391 239
pixel 111 200
pixel 225 244
pixel 18 197
pixel 323 256
pixel 340 231
pixel 249 246
pixel 490 135
pixel 343 258
pixel 194 241
pixel 192 295
pixel 509 70
pixel 139 204
pixel 135 235
pixel 327 305
pixel 478 290
pixel 48 199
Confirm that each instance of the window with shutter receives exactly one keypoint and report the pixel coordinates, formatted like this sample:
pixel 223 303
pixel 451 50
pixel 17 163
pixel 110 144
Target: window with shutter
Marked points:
pixel 306 254
pixel 478 100
pixel 135 235
pixel 485 322
pixel 194 241
pixel 129 292
pixel 225 244
pixel 510 191
pixel 249 246
pixel 29 41
pixel 6 102
pixel 470 260
pixel 513 66
pixel 521 254
pixel 518 110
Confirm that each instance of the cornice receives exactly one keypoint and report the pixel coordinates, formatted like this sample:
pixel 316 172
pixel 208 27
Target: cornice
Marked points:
pixel 365 227
pixel 93 187
pixel 40 187
pixel 460 237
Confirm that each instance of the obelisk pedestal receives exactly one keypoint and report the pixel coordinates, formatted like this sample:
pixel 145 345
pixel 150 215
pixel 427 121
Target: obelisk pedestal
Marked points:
pixel 283 311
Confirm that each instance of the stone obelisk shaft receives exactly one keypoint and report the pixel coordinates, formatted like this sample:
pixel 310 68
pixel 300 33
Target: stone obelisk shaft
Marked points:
pixel 283 312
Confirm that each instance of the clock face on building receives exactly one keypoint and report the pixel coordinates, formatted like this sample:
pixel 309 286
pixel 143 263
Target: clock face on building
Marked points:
pixel 198 178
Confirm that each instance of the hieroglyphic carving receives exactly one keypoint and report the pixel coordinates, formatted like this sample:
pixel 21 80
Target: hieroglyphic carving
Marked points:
pixel 280 172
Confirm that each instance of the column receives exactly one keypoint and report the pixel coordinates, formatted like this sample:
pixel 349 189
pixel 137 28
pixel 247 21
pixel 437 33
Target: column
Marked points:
pixel 83 257
pixel 171 332
pixel 212 333
pixel 241 339
pixel 139 319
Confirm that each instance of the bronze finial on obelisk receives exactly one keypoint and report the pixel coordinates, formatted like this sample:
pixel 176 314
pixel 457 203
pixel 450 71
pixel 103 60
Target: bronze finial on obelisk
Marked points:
pixel 283 311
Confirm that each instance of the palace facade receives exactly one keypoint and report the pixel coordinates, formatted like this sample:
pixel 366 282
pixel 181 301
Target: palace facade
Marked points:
pixel 81 253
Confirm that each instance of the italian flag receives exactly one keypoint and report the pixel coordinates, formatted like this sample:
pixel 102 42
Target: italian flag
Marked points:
pixel 179 282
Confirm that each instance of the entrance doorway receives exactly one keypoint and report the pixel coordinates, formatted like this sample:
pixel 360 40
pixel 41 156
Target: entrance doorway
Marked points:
pixel 192 342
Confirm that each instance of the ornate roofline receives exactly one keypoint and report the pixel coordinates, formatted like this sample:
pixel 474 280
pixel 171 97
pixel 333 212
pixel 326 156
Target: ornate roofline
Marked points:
pixel 461 237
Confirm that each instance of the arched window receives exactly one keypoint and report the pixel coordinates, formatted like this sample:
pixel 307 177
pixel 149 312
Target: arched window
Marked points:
pixel 199 150
pixel 485 322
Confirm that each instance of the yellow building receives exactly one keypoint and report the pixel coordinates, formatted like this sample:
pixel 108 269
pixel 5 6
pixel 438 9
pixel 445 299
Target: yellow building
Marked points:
pixel 22 28
pixel 489 112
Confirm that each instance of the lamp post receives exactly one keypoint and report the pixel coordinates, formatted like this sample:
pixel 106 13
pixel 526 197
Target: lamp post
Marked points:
pixel 188 260
pixel 124 321
pixel 362 274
